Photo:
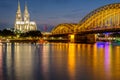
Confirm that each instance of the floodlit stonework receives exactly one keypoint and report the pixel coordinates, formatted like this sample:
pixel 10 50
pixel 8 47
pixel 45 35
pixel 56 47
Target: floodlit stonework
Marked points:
pixel 24 25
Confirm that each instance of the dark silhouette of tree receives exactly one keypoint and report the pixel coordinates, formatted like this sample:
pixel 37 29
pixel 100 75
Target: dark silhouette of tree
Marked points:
pixel 6 33
pixel 31 34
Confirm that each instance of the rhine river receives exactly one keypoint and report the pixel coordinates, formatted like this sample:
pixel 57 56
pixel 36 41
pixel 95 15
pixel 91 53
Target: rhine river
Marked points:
pixel 60 61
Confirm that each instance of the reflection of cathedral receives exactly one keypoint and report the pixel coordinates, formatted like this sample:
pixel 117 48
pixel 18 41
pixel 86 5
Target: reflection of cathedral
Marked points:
pixel 24 25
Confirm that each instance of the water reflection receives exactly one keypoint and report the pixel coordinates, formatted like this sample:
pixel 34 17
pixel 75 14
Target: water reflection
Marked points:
pixel 71 61
pixel 102 61
pixel 45 60
pixel 107 60
pixel 17 61
pixel 23 61
pixel 1 63
pixel 59 61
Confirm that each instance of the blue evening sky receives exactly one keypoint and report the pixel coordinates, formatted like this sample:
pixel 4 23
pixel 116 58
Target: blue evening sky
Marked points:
pixel 50 12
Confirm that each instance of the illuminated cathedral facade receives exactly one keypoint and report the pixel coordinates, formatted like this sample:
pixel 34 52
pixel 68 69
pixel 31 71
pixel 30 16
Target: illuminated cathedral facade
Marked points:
pixel 23 23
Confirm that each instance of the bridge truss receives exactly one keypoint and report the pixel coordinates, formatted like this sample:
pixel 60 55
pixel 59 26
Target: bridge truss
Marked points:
pixel 104 18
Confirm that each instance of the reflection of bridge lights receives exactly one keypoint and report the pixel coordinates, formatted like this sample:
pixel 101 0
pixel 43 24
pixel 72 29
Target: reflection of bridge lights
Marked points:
pixel 71 60
pixel 102 44
pixel 106 33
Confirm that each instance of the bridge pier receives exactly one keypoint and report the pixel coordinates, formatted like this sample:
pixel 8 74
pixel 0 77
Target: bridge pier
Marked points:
pixel 86 38
pixel 91 38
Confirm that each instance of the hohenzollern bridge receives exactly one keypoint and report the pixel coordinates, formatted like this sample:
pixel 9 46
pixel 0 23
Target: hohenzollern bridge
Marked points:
pixel 100 20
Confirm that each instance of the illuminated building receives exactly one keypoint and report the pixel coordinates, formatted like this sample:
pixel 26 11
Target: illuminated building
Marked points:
pixel 24 25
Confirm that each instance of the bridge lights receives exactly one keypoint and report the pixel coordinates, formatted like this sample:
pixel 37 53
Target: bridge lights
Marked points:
pixel 72 38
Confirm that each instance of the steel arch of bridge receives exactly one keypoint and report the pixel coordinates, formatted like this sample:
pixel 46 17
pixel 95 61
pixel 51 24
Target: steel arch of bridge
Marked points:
pixel 64 28
pixel 105 17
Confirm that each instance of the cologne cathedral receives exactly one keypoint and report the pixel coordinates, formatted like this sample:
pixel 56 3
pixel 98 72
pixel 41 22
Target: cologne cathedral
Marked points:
pixel 24 25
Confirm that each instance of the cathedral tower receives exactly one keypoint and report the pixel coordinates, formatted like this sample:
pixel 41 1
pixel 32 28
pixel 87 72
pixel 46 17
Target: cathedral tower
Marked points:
pixel 26 14
pixel 26 18
pixel 18 17
pixel 18 13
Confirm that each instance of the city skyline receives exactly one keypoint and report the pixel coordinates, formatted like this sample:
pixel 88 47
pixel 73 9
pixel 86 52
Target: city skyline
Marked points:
pixel 50 12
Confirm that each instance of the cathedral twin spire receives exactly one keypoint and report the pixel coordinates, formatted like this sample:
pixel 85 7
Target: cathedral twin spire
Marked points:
pixel 19 10
pixel 24 25
pixel 19 15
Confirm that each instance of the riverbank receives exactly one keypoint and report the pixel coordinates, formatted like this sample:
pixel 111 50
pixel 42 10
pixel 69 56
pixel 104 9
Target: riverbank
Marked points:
pixel 19 40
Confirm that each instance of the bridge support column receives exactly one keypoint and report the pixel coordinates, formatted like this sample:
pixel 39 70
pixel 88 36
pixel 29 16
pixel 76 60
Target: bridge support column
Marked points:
pixel 72 38
pixel 91 38
pixel 86 38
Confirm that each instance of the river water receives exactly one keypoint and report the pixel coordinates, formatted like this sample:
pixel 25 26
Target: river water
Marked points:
pixel 60 61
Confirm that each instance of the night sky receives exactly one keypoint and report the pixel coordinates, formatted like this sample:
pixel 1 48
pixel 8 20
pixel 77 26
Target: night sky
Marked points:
pixel 49 12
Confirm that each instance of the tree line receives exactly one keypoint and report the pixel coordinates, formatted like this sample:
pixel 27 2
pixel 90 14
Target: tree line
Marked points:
pixel 6 33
